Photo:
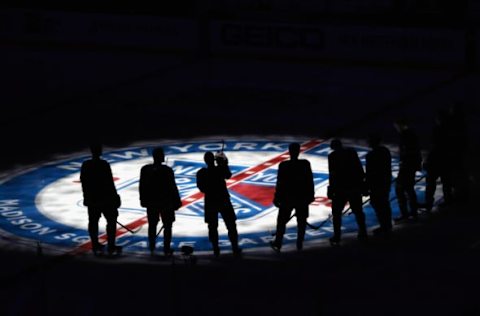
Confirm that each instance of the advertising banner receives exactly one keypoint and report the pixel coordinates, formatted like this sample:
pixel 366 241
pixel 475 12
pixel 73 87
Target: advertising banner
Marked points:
pixel 100 29
pixel 349 43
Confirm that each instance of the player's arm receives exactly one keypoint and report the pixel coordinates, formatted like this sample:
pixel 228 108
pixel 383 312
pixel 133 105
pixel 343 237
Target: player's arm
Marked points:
pixel 310 182
pixel 201 185
pixel 332 177
pixel 177 202
pixel 84 181
pixel 142 187
pixel 279 186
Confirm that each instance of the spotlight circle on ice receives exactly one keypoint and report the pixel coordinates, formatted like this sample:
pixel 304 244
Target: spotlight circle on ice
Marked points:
pixel 44 203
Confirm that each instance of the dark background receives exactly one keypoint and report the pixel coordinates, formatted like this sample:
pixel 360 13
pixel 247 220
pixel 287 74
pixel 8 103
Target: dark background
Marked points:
pixel 122 73
pixel 73 72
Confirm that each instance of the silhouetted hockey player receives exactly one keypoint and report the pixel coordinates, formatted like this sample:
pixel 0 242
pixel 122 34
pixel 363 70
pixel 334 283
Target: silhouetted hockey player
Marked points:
pixel 410 163
pixel 159 194
pixel 458 131
pixel 378 181
pixel 346 183
pixel 440 162
pixel 100 196
pixel 294 190
pixel 211 181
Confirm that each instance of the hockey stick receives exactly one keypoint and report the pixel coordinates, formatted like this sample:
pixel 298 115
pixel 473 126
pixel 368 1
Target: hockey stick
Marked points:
pixel 128 229
pixel 161 228
pixel 348 209
pixel 364 202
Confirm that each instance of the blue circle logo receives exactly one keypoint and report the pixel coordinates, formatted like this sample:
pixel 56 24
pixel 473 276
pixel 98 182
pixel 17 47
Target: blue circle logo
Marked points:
pixel 44 204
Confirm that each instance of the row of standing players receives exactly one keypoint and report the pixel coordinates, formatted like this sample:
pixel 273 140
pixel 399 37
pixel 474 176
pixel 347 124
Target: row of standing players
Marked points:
pixel 294 190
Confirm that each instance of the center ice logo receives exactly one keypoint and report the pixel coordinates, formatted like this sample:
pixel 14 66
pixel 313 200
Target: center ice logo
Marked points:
pixel 45 204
